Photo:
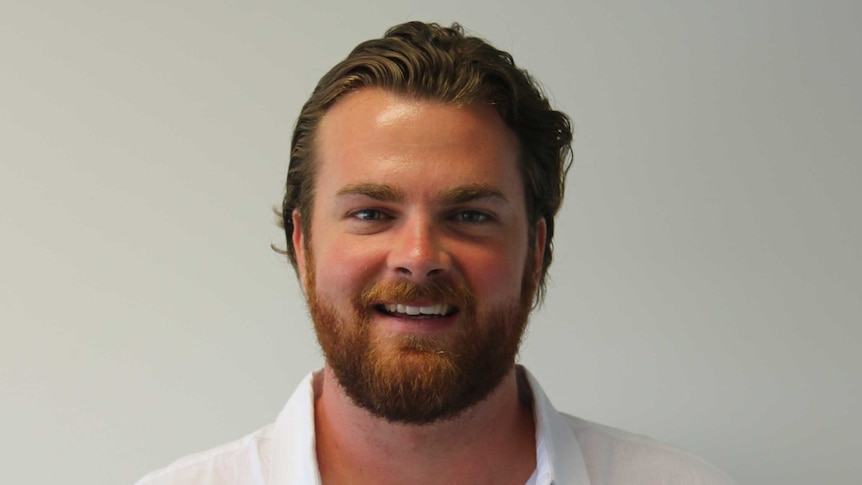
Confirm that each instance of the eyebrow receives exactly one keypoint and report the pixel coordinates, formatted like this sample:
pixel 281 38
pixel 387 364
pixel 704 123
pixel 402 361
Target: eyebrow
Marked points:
pixel 453 196
pixel 472 192
pixel 381 192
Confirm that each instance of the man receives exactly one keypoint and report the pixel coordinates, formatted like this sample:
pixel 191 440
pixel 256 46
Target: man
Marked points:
pixel 426 170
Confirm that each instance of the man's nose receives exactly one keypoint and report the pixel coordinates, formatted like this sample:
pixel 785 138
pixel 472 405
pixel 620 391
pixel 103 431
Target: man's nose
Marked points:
pixel 418 251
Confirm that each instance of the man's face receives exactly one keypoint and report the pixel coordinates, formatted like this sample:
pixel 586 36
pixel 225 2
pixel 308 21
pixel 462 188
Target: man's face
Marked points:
pixel 418 269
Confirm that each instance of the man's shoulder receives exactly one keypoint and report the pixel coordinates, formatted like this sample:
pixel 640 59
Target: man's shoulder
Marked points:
pixel 245 461
pixel 614 456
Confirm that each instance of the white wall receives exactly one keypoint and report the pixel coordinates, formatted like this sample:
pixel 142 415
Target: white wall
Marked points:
pixel 707 275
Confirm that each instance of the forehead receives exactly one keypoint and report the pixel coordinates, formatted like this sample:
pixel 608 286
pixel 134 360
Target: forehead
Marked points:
pixel 374 133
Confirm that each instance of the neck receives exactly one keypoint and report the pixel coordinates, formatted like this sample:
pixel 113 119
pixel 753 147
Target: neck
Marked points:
pixel 491 442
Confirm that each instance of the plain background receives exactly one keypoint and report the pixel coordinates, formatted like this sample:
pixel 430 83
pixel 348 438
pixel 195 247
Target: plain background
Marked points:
pixel 706 283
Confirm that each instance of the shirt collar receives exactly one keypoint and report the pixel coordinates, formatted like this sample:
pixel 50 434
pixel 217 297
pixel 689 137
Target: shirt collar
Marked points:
pixel 294 456
pixel 559 460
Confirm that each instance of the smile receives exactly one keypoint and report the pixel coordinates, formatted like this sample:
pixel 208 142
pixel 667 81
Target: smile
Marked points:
pixel 398 309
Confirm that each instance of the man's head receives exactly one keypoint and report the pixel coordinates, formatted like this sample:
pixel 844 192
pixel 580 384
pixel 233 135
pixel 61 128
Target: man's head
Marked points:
pixel 430 62
pixel 426 170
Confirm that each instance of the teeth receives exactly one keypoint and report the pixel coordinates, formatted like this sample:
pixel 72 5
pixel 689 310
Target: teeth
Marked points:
pixel 437 309
pixel 430 310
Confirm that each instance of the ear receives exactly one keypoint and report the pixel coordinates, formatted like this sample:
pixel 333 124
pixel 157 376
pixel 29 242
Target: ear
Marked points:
pixel 298 238
pixel 539 250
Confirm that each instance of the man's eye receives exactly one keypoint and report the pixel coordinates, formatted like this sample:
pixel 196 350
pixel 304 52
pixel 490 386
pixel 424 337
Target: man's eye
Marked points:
pixel 472 216
pixel 368 215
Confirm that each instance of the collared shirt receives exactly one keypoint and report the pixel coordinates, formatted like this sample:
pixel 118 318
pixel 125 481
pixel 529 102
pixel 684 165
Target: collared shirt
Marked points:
pixel 569 451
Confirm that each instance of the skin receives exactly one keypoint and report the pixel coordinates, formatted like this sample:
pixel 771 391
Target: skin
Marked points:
pixel 389 205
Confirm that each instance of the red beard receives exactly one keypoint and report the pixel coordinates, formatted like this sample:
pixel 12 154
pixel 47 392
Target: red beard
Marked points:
pixel 420 379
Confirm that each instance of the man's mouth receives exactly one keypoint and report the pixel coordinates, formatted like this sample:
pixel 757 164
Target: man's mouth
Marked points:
pixel 417 311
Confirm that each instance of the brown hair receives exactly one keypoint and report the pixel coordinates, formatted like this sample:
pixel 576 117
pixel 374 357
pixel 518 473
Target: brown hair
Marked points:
pixel 430 62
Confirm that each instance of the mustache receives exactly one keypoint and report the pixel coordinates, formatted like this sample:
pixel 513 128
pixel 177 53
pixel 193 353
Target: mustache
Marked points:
pixel 459 296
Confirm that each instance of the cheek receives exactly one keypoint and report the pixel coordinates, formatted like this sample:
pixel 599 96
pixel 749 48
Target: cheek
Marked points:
pixel 343 266
pixel 495 274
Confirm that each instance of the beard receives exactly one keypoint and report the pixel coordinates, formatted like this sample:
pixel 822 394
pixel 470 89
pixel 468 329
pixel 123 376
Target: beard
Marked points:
pixel 420 379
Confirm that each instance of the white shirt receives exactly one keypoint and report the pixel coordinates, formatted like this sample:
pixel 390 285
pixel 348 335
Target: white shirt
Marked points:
pixel 569 451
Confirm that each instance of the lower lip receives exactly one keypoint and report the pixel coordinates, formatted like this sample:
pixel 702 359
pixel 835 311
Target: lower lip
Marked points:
pixel 416 326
